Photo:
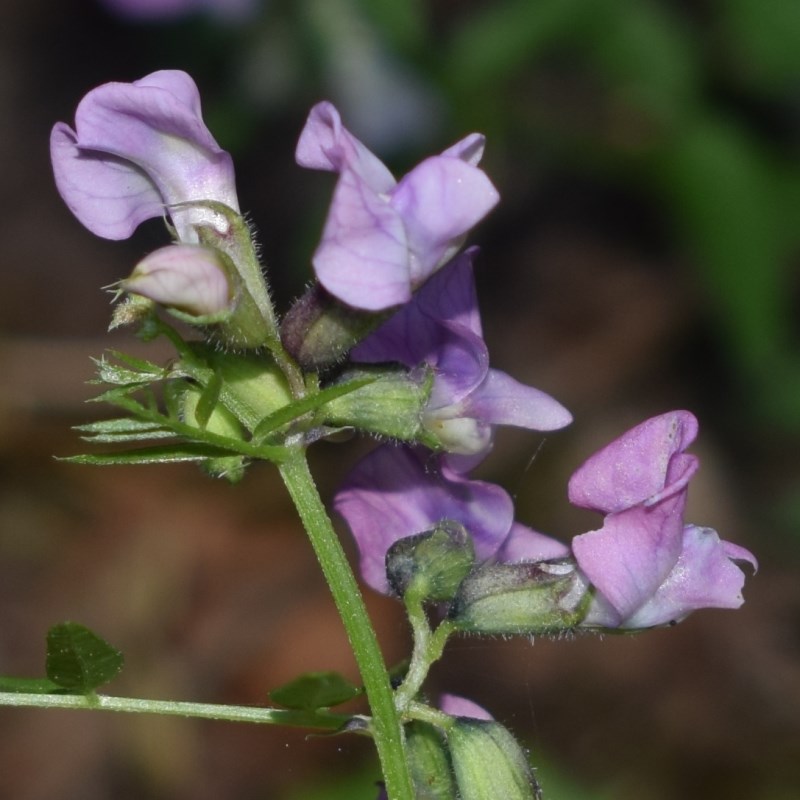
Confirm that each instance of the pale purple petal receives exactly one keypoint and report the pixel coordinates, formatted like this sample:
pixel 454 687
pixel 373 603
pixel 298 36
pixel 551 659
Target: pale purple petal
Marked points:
pixel 457 706
pixel 363 257
pixel 327 145
pixel 396 492
pixel 630 557
pixel 705 576
pixel 469 149
pixel 450 294
pixel 189 278
pixel 502 400
pixel 441 329
pixel 439 201
pixel 460 365
pixel 637 466
pixel 109 195
pixel 415 333
pixel 422 223
pixel 138 143
pixel 525 544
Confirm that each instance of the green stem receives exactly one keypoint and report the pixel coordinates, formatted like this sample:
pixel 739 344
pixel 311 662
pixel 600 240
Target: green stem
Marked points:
pixel 387 728
pixel 323 720
pixel 428 648
pixel 430 715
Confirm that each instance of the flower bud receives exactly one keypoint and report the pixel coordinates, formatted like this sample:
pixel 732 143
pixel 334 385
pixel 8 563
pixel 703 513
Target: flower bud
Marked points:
pixel 488 762
pixel 189 279
pixel 430 565
pixel 391 404
pixel 522 599
pixel 319 330
pixel 429 763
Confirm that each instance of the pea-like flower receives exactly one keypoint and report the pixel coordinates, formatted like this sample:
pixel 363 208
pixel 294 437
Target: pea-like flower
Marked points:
pixel 382 238
pixel 140 149
pixel 648 566
pixel 394 492
pixel 440 329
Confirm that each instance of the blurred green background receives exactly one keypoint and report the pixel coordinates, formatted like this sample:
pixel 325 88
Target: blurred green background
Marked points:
pixel 644 257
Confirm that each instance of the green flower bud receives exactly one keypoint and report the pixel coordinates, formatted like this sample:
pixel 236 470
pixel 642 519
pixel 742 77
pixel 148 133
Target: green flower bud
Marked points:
pixel 430 565
pixel 429 762
pixel 488 763
pixel 390 405
pixel 522 599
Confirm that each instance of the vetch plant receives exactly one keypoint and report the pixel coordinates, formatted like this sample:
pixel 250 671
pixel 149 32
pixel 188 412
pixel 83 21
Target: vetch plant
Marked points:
pixel 387 342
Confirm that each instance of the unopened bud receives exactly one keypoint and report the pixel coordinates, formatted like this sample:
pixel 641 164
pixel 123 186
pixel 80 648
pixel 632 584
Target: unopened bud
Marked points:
pixel 429 763
pixel 430 565
pixel 390 403
pixel 319 330
pixel 189 279
pixel 489 763
pixel 522 599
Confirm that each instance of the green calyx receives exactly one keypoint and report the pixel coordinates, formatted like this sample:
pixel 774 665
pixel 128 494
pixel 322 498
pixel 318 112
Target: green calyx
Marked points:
pixel 319 330
pixel 489 763
pixel 429 762
pixel 390 403
pixel 252 322
pixel 430 566
pixel 251 386
pixel 520 599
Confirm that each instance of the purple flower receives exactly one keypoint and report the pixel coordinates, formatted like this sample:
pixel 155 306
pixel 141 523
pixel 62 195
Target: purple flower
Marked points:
pixel 647 566
pixel 137 150
pixel 383 238
pixel 395 492
pixel 441 329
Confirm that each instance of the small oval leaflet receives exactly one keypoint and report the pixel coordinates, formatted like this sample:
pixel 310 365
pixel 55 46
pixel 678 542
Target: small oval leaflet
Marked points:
pixel 78 660
pixel 315 690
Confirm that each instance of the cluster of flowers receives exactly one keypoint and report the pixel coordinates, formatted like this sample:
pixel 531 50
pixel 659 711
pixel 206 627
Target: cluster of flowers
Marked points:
pixel 392 249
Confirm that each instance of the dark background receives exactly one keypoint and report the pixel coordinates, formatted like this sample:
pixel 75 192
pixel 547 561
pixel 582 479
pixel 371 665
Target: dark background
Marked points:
pixel 643 258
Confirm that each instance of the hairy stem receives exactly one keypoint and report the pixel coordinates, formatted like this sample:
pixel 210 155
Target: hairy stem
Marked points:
pixel 386 727
pixel 321 720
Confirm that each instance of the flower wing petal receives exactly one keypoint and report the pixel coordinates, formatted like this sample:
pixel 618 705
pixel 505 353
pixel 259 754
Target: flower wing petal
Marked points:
pixel 502 400
pixel 396 492
pixel 705 576
pixel 629 558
